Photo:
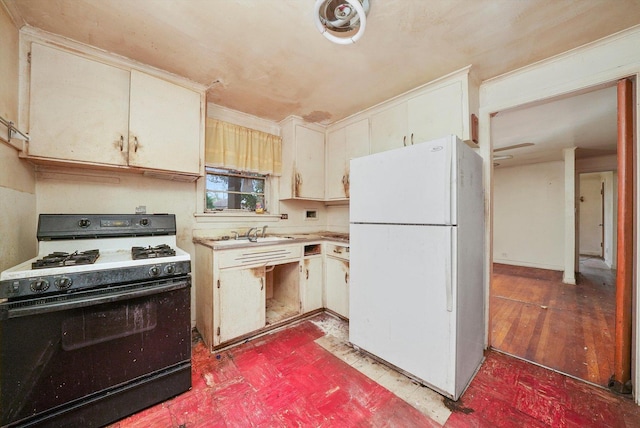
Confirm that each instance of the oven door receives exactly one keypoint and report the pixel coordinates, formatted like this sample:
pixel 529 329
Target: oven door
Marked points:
pixel 60 352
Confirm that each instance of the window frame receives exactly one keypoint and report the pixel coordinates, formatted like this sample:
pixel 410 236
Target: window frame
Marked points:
pixel 228 172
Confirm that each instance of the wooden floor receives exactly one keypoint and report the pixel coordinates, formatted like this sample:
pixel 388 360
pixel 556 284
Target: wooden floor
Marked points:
pixel 569 328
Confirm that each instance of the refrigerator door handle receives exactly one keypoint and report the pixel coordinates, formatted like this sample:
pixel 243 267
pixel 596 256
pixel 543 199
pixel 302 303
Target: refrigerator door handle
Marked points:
pixel 449 272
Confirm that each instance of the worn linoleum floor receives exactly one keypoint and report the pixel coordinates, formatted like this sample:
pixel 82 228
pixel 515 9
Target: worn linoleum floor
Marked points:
pixel 307 376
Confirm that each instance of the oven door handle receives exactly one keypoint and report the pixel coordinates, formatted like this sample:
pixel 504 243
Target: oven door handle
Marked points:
pixel 52 304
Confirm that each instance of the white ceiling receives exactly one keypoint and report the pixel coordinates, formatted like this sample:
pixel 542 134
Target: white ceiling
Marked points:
pixel 587 121
pixel 266 57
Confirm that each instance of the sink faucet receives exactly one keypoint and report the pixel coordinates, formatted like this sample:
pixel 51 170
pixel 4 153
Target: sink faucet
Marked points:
pixel 235 234
pixel 264 229
pixel 253 230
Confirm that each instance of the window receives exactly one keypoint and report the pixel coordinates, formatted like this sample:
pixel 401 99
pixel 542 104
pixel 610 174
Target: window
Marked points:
pixel 234 190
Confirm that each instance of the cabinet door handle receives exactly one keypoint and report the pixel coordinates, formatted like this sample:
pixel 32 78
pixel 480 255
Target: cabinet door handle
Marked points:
pixel 135 144
pixel 307 273
pixel 404 141
pixel 121 142
pixel 412 138
pixel 346 277
pixel 261 284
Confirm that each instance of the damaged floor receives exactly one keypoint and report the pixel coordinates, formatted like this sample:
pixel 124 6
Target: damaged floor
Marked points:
pixel 307 375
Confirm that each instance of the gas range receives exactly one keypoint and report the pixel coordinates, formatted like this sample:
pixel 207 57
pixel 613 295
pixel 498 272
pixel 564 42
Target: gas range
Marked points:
pixel 96 326
pixel 79 252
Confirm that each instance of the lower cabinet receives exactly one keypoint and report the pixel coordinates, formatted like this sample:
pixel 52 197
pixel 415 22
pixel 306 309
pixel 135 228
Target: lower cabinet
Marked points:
pixel 337 286
pixel 240 303
pixel 235 301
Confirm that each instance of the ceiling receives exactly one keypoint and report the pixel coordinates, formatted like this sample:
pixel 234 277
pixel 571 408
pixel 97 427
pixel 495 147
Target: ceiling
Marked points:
pixel 266 57
pixel 587 121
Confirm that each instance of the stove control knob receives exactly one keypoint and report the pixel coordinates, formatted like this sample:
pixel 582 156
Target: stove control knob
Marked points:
pixel 84 222
pixel 63 283
pixel 39 285
pixel 170 269
pixel 144 222
pixel 154 271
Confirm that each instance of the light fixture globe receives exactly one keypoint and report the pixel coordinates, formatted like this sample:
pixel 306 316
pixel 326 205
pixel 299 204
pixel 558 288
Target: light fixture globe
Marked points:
pixel 337 16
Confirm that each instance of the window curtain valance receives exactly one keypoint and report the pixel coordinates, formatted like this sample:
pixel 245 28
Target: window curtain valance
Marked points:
pixel 244 149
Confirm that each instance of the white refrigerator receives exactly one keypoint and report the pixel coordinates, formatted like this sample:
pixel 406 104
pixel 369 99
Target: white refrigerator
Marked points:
pixel 416 271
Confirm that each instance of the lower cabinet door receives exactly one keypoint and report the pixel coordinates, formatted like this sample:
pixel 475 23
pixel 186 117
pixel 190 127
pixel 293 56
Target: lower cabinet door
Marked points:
pixel 241 302
pixel 312 284
pixel 337 286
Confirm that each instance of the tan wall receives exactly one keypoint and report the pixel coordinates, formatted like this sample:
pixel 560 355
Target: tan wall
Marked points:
pixel 17 182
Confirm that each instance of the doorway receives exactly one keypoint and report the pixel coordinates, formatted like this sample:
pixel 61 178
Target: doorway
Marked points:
pixel 535 315
pixel 591 216
pixel 597 219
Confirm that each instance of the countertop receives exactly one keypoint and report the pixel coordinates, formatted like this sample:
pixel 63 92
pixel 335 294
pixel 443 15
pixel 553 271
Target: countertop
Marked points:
pixel 294 238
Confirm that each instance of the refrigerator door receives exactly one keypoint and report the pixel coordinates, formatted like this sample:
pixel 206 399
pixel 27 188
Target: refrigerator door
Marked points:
pixel 402 295
pixel 410 185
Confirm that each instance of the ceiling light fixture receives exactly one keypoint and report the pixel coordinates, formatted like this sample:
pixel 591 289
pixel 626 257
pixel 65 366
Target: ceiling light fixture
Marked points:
pixel 341 16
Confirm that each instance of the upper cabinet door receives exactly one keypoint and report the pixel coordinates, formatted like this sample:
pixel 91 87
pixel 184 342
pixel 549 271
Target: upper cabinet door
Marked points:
pixel 309 178
pixel 79 108
pixel 344 144
pixel 437 113
pixel 164 125
pixel 357 139
pixel 389 128
pixel 336 171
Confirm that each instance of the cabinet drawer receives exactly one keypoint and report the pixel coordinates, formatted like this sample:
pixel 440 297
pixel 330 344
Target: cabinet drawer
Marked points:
pixel 263 256
pixel 337 251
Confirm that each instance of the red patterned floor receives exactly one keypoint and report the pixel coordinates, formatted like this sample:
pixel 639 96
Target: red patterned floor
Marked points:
pixel 286 380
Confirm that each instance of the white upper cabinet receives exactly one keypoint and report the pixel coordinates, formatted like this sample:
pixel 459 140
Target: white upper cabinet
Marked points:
pixel 436 113
pixel 343 144
pixel 389 128
pixel 303 153
pixel 86 111
pixel 439 108
pixel 79 109
pixel 164 125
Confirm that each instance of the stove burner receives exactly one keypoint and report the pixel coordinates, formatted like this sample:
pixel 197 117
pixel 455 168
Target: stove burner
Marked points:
pixel 150 252
pixel 57 259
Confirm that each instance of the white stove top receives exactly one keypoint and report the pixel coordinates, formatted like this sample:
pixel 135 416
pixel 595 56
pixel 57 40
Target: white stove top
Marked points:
pixel 114 253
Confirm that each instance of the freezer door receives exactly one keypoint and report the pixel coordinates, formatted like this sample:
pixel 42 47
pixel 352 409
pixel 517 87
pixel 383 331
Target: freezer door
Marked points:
pixel 410 185
pixel 402 290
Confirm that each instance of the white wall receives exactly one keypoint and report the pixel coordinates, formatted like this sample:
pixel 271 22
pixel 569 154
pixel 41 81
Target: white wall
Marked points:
pixel 17 182
pixel 528 215
pixel 338 218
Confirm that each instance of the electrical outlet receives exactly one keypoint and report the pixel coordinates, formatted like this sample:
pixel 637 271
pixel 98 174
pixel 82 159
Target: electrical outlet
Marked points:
pixel 284 216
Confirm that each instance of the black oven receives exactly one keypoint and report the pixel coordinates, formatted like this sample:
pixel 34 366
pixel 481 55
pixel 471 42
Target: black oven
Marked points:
pixel 88 358
pixel 98 325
